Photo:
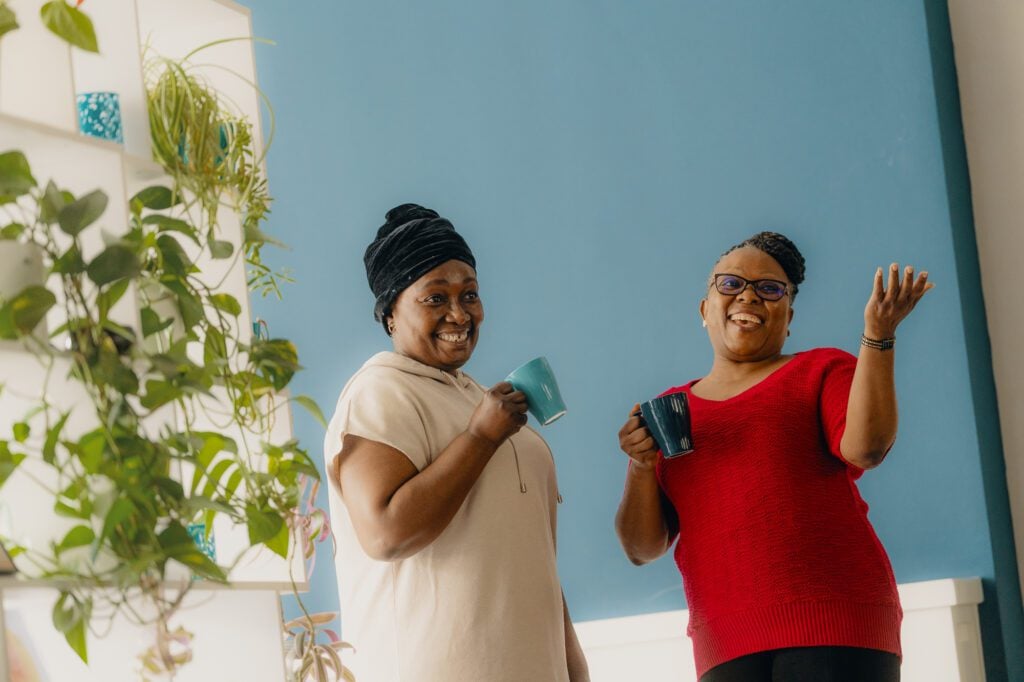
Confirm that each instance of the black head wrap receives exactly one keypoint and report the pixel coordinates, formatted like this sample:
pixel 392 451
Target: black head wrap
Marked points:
pixel 412 242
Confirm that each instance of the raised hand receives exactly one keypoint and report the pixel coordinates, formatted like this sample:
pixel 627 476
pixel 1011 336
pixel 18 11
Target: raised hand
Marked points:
pixel 499 415
pixel 888 306
pixel 637 442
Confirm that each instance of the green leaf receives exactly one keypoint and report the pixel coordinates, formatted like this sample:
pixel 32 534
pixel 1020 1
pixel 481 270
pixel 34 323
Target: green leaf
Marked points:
pixel 279 543
pixel 151 322
pixel 15 175
pixel 116 262
pixel 72 620
pixel 90 449
pixel 12 231
pixel 312 408
pixel 263 525
pixel 79 536
pixel 106 300
pixel 226 303
pixel 168 224
pixel 120 511
pixel 83 212
pixel 220 249
pixel 52 201
pixel 9 461
pixel 50 445
pixel 70 262
pixel 20 315
pixel 70 24
pixel 157 198
pixel 179 545
pixel 159 393
pixel 253 235
pixel 21 432
pixel 176 261
pixel 8 22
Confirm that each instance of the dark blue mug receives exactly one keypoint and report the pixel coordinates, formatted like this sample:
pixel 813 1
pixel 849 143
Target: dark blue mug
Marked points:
pixel 668 420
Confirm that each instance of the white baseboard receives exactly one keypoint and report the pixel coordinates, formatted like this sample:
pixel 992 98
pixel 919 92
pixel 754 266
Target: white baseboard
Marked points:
pixel 941 639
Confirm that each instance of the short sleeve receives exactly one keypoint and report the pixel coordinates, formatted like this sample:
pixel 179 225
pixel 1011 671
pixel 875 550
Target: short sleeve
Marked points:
pixel 837 377
pixel 378 406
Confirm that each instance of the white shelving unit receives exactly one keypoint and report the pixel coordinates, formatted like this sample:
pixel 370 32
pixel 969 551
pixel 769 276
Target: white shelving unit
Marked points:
pixel 237 628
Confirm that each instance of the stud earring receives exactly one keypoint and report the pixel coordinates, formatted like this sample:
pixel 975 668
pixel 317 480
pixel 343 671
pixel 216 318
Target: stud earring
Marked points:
pixel 703 322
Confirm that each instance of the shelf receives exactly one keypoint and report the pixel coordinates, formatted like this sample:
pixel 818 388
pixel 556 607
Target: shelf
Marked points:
pixel 35 71
pixel 236 637
pixel 15 583
pixel 117 68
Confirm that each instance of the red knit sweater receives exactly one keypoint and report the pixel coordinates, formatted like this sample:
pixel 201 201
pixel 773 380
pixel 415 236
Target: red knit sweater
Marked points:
pixel 775 547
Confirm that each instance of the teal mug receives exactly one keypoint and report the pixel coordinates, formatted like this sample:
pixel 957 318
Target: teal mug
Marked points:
pixel 537 381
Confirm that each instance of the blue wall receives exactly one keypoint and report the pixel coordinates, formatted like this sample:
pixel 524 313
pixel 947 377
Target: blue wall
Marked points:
pixel 598 156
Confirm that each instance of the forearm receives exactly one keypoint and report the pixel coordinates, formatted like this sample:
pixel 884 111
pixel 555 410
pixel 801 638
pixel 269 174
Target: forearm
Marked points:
pixel 425 504
pixel 871 415
pixel 640 520
pixel 576 661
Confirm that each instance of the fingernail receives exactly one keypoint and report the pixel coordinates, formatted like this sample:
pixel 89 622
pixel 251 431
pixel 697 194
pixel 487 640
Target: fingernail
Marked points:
pixel 895 266
pixel 924 273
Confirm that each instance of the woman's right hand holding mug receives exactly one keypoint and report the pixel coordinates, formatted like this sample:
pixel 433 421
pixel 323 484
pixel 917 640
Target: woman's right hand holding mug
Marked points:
pixel 500 414
pixel 637 442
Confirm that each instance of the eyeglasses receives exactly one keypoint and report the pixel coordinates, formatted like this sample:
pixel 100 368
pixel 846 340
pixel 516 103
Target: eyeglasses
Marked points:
pixel 766 289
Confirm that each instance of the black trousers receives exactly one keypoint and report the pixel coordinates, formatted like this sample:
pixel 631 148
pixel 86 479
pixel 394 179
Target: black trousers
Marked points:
pixel 809 664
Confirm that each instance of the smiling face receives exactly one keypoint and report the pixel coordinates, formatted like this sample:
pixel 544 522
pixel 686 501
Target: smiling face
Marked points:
pixel 436 319
pixel 744 327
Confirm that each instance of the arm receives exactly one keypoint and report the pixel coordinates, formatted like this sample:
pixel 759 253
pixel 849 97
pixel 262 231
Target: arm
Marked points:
pixel 397 510
pixel 871 414
pixel 578 670
pixel 645 524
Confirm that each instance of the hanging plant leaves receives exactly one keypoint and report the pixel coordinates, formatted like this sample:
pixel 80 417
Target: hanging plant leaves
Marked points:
pixel 312 408
pixel 20 315
pixel 8 22
pixel 116 262
pixel 83 212
pixel 168 224
pixel 178 544
pixel 220 249
pixel 71 620
pixel 53 200
pixel 15 176
pixel 151 322
pixel 70 262
pixel 79 536
pixel 9 461
pixel 263 525
pixel 226 303
pixel 70 24
pixel 156 197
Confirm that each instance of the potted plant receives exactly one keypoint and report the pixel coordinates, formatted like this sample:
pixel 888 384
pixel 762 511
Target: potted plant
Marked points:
pixel 118 480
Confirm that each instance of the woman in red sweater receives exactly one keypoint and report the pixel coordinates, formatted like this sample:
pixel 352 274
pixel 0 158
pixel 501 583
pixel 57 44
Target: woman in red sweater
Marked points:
pixel 785 578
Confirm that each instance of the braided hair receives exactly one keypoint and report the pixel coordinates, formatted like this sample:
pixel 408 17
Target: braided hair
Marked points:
pixel 779 247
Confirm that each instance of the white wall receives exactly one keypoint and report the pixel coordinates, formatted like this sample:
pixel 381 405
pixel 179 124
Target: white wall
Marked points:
pixel 941 639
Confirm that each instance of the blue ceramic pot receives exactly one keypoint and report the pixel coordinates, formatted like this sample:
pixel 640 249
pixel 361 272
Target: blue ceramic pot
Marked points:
pixel 99 115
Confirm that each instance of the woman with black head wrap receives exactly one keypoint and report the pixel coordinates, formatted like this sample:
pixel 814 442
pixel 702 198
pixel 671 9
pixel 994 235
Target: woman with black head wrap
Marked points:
pixel 445 504
pixel 785 578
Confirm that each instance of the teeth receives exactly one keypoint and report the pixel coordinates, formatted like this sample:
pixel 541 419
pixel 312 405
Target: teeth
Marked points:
pixel 744 317
pixel 454 338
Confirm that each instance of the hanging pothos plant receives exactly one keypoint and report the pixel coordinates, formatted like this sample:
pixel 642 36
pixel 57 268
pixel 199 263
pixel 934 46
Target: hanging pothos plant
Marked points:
pixel 208 148
pixel 118 479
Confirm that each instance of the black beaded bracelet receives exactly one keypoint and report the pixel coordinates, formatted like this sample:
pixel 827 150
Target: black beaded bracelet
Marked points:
pixel 878 344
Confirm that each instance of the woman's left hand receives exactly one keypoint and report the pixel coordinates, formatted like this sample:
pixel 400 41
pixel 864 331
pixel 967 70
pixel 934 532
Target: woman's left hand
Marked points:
pixel 888 307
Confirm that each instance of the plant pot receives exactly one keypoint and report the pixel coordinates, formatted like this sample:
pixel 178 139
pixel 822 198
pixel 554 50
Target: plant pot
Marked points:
pixel 21 265
pixel 99 115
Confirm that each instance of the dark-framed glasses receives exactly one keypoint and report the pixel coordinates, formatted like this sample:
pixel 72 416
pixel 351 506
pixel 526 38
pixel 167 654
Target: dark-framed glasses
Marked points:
pixel 766 289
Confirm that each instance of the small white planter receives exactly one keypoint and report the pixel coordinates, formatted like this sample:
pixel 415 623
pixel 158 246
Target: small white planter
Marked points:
pixel 21 265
